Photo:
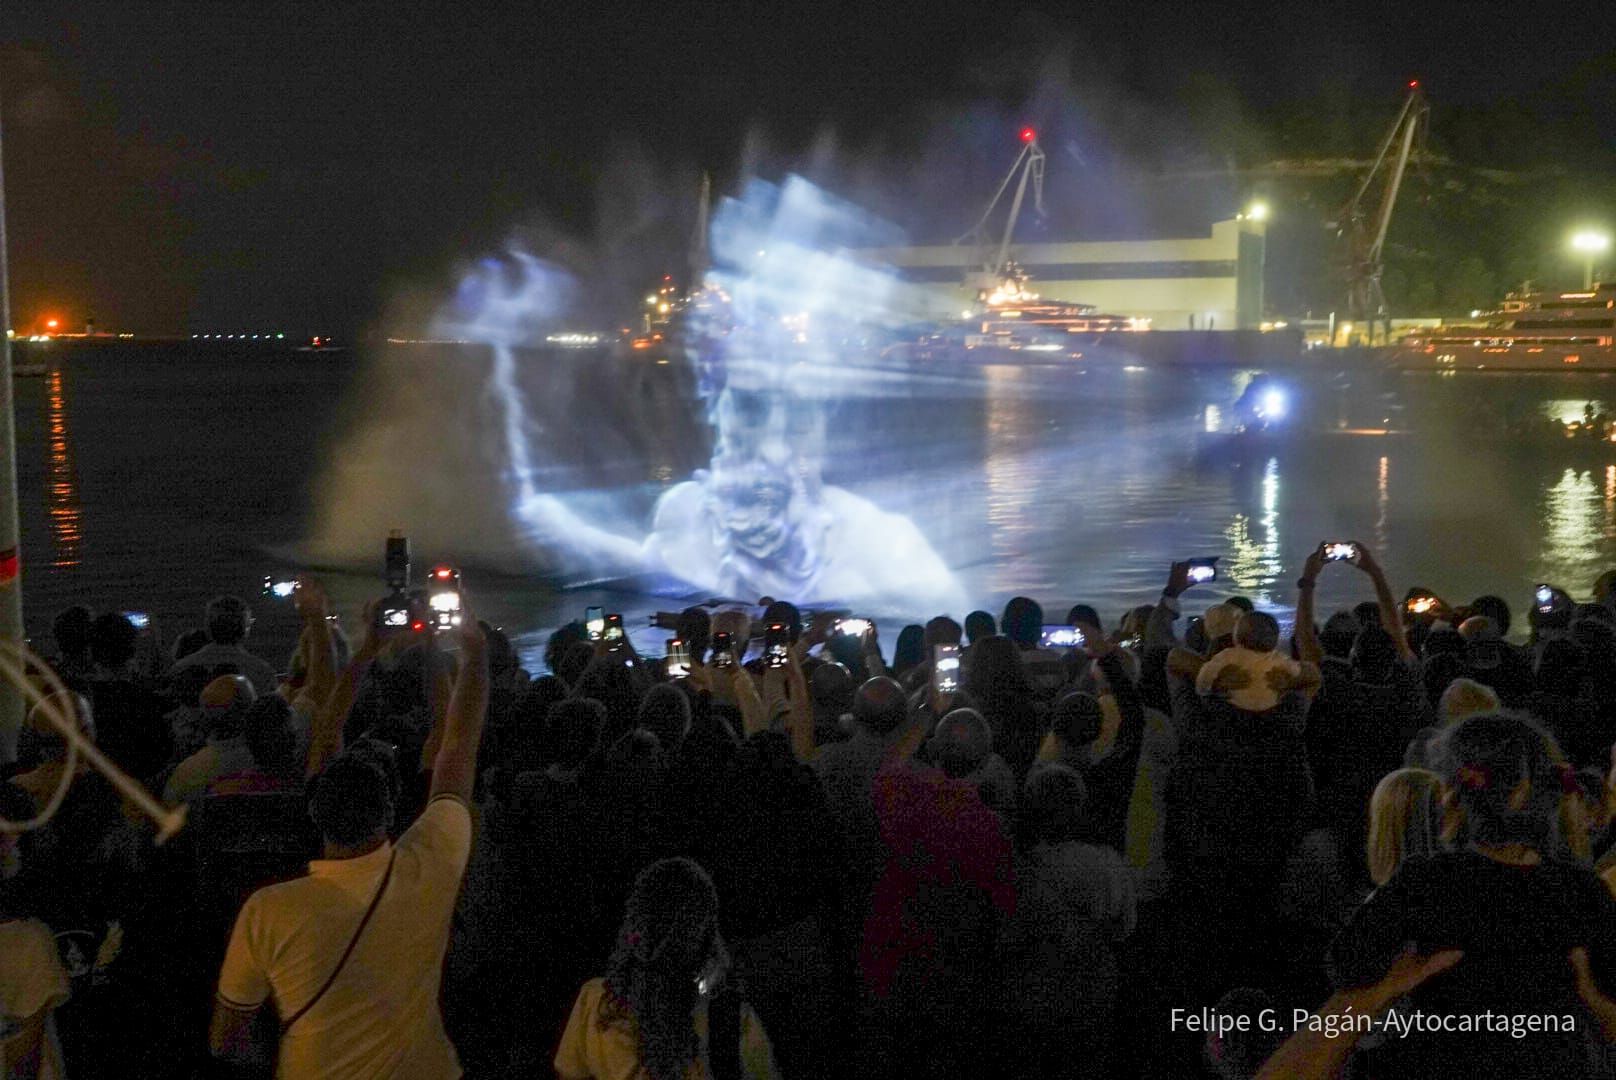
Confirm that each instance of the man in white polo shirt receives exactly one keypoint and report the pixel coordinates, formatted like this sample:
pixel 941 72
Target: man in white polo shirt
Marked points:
pixel 351 956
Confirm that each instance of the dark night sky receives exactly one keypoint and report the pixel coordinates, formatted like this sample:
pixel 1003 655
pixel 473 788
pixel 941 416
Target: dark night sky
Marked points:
pixel 224 165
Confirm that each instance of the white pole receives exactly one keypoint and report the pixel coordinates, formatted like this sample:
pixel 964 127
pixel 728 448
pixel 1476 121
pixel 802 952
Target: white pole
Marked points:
pixel 11 627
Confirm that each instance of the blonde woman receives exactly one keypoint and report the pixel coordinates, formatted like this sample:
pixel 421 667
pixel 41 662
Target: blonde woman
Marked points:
pixel 1405 821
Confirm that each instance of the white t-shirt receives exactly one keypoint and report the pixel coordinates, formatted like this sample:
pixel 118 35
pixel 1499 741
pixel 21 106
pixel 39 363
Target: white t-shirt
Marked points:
pixel 31 978
pixel 380 1018
pixel 1256 696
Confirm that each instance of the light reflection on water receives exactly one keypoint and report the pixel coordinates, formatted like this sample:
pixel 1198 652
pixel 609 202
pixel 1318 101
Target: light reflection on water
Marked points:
pixel 181 479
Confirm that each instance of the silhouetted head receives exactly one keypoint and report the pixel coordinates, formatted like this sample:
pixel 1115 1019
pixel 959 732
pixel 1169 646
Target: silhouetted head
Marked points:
pixel 942 631
pixel 71 629
pixel 1258 631
pixel 1502 773
pixel 1083 615
pixel 695 629
pixel 1340 631
pixel 225 702
pixel 1052 805
pixel 880 706
pixel 910 650
pixel 1076 718
pixel 112 641
pixel 1374 656
pixel 228 620
pixel 961 743
pixel 1496 609
pixel 978 625
pixel 783 611
pixel 665 712
pixel 351 801
pixel 1023 621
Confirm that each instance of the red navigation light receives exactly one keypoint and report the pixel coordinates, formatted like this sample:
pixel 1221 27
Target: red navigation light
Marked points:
pixel 417 626
pixel 1413 84
pixel 667 277
pixel 1028 134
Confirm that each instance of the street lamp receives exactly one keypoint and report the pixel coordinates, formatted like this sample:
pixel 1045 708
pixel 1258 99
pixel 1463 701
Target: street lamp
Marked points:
pixel 1590 242
pixel 1257 211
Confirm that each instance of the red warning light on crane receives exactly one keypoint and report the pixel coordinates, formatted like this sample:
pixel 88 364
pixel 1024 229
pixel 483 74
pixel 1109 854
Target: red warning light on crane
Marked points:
pixel 1028 134
pixel 1413 84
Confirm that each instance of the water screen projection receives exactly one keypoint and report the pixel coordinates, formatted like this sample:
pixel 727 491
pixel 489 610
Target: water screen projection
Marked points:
pixel 785 326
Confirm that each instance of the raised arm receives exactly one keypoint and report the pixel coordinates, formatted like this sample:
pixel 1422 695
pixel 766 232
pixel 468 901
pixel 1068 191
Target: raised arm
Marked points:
pixel 801 716
pixel 1319 1051
pixel 1391 616
pixel 454 767
pixel 325 729
pixel 1159 627
pixel 321 658
pixel 1307 632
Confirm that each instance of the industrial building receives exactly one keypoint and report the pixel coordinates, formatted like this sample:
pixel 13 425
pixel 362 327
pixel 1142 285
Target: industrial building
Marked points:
pixel 1211 282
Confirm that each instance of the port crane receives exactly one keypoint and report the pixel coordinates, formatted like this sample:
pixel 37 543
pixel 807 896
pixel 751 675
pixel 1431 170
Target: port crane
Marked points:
pixel 1363 222
pixel 996 271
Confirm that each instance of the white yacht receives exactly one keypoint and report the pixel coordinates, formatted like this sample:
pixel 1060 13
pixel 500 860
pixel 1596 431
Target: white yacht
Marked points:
pixel 1530 331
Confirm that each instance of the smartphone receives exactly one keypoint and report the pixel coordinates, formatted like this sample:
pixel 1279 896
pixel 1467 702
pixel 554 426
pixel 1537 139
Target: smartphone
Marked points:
pixel 945 668
pixel 1203 570
pixel 138 619
pixel 280 590
pixel 443 597
pixel 1340 551
pixel 855 627
pixel 678 662
pixel 1421 605
pixel 1135 642
pixel 1060 637
pixel 723 650
pixel 394 613
pixel 595 622
pixel 1545 599
pixel 612 631
pixel 776 642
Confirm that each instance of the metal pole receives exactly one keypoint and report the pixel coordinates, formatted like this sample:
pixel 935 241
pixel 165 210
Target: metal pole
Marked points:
pixel 11 627
pixel 1588 271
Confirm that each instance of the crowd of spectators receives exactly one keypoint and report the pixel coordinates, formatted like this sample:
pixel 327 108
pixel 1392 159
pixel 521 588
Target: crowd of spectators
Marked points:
pixel 1204 851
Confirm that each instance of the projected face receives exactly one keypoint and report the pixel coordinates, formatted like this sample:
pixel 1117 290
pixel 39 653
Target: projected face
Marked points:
pixel 770 445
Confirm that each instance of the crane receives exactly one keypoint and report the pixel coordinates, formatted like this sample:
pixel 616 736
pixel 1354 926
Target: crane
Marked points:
pixel 1363 231
pixel 995 269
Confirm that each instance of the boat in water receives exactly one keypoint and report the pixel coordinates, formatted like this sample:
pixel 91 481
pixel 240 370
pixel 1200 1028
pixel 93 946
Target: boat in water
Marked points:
pixel 1532 330
pixel 1012 325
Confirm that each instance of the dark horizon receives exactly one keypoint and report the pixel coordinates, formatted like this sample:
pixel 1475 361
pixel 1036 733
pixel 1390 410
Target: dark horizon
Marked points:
pixel 189 167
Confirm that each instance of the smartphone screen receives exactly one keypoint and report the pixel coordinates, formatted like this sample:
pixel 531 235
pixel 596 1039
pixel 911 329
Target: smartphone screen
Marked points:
pixel 855 627
pixel 445 609
pixel 138 619
pixel 1421 605
pixel 723 650
pixel 1545 598
pixel 612 630
pixel 678 662
pixel 1340 552
pixel 1060 637
pixel 1203 570
pixel 776 642
pixel 945 668
pixel 595 622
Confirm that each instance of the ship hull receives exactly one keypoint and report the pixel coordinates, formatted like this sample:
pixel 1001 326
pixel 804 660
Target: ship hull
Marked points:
pixel 1422 356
